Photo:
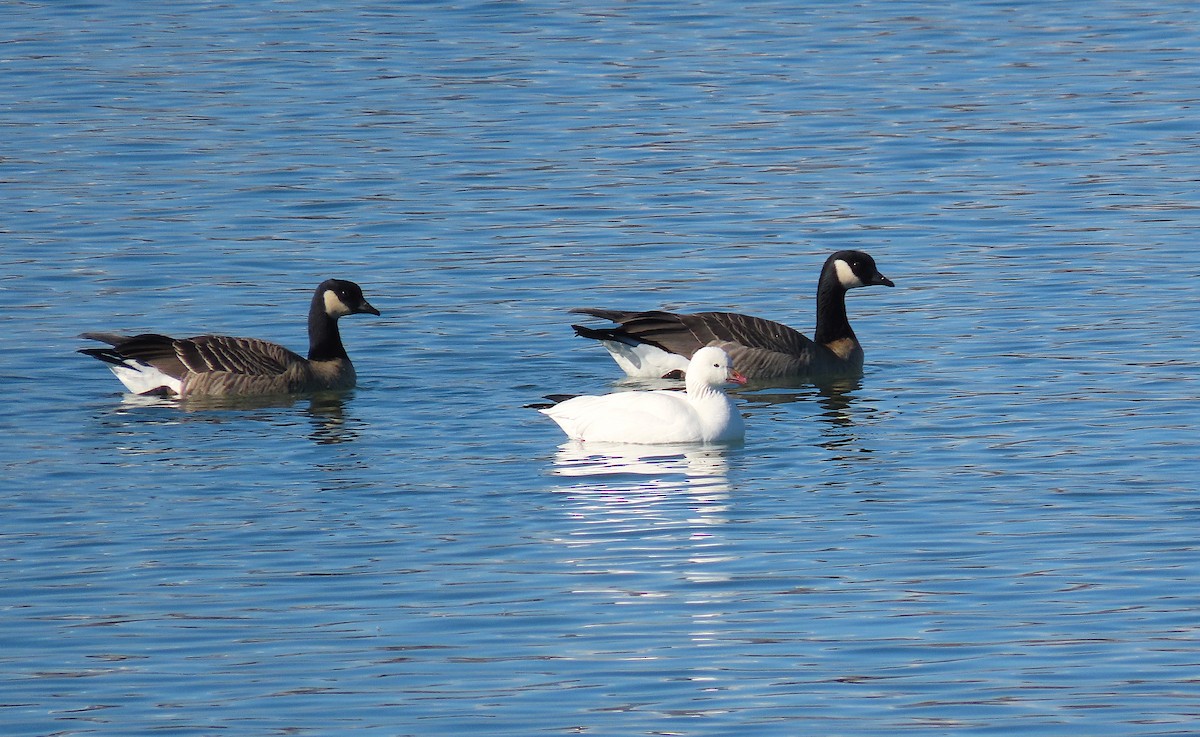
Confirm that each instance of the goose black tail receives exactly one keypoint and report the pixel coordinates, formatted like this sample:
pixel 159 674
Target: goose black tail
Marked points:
pixel 107 355
pixel 614 334
pixel 553 399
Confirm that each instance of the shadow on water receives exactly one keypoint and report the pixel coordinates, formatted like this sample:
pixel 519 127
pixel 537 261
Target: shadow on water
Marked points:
pixel 834 394
pixel 326 411
pixel 835 397
pixel 837 413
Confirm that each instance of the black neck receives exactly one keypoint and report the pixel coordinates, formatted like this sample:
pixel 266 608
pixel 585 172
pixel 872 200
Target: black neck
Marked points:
pixel 832 323
pixel 324 340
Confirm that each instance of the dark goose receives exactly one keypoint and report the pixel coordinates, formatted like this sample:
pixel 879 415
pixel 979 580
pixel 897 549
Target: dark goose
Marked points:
pixel 659 344
pixel 223 366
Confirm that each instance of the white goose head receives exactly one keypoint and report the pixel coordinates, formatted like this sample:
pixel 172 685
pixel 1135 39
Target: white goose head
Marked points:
pixel 711 368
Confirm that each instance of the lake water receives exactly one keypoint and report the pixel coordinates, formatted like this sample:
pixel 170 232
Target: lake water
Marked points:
pixel 993 532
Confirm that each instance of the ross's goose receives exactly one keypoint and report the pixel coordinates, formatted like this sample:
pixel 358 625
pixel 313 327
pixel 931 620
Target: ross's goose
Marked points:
pixel 218 365
pixel 702 414
pixel 659 344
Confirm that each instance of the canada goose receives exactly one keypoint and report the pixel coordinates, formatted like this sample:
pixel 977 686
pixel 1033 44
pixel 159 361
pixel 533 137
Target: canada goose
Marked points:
pixel 218 365
pixel 704 414
pixel 658 344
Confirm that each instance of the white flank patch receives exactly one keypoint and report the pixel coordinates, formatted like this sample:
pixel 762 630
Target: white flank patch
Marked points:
pixel 644 361
pixel 334 306
pixel 141 378
pixel 846 275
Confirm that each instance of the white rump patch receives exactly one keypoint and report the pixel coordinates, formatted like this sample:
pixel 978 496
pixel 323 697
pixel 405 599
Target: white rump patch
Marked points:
pixel 846 275
pixel 644 361
pixel 141 378
pixel 334 306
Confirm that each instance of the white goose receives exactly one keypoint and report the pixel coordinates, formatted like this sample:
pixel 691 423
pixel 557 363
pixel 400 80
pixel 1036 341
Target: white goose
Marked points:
pixel 704 414
pixel 222 366
pixel 658 344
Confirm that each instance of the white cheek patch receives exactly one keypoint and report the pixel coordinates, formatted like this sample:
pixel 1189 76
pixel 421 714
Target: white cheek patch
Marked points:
pixel 846 275
pixel 334 306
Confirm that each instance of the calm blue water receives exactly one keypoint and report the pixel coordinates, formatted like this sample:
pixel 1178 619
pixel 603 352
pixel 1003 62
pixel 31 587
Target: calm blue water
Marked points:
pixel 993 532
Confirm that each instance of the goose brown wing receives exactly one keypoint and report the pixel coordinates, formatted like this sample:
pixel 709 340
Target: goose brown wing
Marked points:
pixel 245 356
pixel 762 364
pixel 748 331
pixel 666 330
pixel 685 334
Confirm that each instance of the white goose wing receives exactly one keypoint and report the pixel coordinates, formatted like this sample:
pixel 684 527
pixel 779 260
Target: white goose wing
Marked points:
pixel 629 417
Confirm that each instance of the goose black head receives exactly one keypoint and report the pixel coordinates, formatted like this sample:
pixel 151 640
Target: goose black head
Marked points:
pixel 342 298
pixel 856 269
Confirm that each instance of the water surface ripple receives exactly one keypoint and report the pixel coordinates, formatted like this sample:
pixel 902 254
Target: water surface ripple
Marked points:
pixel 992 532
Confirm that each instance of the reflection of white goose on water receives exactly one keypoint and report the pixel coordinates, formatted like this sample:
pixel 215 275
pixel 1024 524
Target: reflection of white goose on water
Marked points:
pixel 655 511
pixel 597 459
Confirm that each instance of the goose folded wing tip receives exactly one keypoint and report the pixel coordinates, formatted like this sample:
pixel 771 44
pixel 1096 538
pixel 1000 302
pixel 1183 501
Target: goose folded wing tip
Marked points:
pixel 584 331
pixel 107 355
pixel 601 313
pixel 100 336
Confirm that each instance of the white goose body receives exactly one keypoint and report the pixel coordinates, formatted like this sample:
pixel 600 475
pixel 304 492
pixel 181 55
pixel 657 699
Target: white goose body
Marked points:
pixel 222 366
pixel 702 414
pixel 657 344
